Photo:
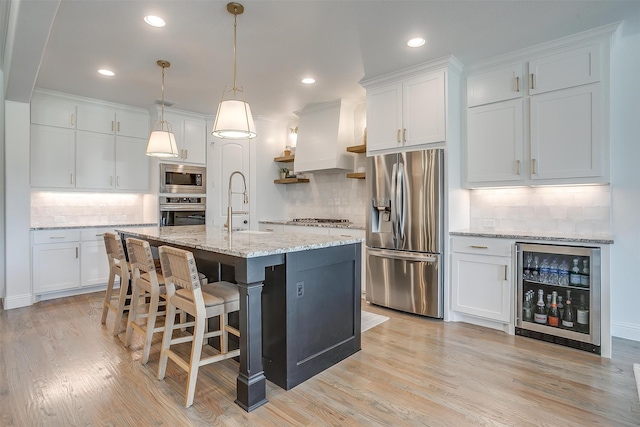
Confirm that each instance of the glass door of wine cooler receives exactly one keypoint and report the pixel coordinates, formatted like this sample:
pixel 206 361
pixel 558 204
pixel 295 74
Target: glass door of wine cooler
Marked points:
pixel 558 298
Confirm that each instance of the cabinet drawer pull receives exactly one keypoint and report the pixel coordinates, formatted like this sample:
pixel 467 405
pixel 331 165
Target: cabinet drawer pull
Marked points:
pixel 478 247
pixel 100 235
pixel 531 81
pixel 517 83
pixel 268 229
pixel 398 137
pixel 346 235
pixel 56 237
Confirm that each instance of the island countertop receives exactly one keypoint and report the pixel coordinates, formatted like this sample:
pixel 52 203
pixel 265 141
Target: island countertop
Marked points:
pixel 244 244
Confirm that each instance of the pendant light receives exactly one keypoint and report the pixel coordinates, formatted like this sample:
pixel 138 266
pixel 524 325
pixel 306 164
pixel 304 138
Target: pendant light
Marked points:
pixel 234 119
pixel 162 141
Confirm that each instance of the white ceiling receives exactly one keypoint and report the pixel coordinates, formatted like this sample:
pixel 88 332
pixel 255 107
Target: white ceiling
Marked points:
pixel 279 42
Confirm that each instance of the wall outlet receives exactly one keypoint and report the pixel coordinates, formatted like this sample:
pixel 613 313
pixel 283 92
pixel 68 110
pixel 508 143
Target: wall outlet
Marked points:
pixel 300 286
pixel 489 223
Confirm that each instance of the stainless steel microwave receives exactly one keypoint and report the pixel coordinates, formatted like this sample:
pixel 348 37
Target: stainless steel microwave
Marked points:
pixel 183 179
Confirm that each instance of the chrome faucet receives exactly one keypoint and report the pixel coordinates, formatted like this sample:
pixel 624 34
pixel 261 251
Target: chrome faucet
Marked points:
pixel 245 200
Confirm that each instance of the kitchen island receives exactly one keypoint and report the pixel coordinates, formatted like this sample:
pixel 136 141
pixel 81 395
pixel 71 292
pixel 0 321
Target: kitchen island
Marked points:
pixel 299 298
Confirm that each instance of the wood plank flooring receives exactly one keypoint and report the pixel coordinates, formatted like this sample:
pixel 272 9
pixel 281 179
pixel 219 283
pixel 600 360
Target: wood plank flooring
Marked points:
pixel 60 367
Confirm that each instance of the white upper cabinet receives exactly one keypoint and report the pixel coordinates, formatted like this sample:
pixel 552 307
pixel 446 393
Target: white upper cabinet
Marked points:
pixel 53 157
pixel 496 85
pixel 191 137
pixel 563 70
pixel 132 165
pixel 554 130
pixel 95 157
pixel 407 113
pixel 105 119
pixel 53 112
pixel 495 142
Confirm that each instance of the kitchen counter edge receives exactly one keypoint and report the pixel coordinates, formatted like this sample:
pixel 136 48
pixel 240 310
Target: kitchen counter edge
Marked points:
pixel 315 224
pixel 77 227
pixel 601 239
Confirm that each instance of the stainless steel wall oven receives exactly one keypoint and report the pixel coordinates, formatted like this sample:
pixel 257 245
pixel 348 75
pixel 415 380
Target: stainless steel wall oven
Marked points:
pixel 182 210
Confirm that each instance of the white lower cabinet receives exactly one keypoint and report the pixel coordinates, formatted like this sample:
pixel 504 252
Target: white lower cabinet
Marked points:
pixel 64 260
pixel 481 278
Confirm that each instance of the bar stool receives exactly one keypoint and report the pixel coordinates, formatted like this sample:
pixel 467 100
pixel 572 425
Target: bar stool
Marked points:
pixel 147 284
pixel 118 266
pixel 202 302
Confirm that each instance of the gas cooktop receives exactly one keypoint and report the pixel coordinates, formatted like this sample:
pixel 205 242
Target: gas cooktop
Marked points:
pixel 319 221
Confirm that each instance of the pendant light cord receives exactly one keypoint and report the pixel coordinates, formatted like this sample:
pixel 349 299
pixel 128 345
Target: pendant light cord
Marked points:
pixel 162 107
pixel 235 25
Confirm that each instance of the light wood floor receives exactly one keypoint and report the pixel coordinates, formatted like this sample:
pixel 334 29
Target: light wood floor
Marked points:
pixel 60 367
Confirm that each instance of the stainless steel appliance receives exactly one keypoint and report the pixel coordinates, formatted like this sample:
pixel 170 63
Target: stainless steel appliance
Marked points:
pixel 405 232
pixel 572 273
pixel 178 179
pixel 182 210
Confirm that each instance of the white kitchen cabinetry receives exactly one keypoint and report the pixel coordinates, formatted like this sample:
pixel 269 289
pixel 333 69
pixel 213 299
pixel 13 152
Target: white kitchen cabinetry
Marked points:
pixel 105 119
pixel 406 113
pixel 95 159
pixel 481 278
pixel 277 228
pixel 556 134
pixel 191 137
pixel 53 112
pixel 94 266
pixel 52 157
pixel 131 164
pixel 56 260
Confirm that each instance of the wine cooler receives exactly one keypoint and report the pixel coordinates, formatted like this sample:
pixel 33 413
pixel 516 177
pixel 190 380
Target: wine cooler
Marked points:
pixel 559 294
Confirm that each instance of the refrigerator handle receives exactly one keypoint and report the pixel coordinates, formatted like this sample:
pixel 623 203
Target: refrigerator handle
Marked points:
pixel 394 201
pixel 402 201
pixel 405 256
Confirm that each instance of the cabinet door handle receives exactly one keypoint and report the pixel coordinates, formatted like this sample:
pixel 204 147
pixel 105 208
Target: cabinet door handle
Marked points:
pixel 71 178
pixel 73 120
pixel 111 181
pixel 118 181
pixel 517 83
pixel 517 167
pixel 531 75
pixel 76 252
pixel 118 126
pixel 533 166
pixel 479 247
pixel 505 273
pixel 112 126
pixel 404 135
pixel 398 137
pixel 186 153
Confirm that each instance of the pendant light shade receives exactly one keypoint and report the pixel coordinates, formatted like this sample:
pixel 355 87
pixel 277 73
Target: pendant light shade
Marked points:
pixel 162 141
pixel 234 119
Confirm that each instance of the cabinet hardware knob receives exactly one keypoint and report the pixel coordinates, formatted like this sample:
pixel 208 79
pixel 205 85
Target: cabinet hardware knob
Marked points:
pixel 478 247
pixel 517 83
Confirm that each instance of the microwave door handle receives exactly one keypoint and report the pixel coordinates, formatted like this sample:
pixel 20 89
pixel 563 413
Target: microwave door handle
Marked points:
pixel 394 201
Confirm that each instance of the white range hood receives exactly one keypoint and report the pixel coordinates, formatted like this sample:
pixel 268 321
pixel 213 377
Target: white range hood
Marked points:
pixel 324 133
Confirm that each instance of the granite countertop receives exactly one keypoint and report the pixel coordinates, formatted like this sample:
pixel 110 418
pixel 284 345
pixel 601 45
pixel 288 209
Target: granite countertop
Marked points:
pixel 552 236
pixel 244 244
pixel 72 227
pixel 315 224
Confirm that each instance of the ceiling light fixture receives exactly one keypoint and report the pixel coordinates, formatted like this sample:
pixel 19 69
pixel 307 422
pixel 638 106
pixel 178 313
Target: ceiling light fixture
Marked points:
pixel 234 119
pixel 154 21
pixel 162 141
pixel 416 42
pixel 106 72
pixel 308 80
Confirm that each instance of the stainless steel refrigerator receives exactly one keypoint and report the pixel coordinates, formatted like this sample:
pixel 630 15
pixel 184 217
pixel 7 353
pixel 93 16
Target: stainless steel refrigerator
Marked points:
pixel 405 231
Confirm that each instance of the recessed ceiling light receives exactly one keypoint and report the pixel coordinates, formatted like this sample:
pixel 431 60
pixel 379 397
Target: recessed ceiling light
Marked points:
pixel 108 73
pixel 417 42
pixel 308 80
pixel 154 21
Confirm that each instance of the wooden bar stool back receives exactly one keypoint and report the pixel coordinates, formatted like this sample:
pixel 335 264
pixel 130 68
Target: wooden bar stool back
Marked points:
pixel 147 294
pixel 185 292
pixel 118 266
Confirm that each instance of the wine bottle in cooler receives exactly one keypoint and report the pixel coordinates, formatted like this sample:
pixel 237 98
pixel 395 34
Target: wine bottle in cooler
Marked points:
pixel 540 313
pixel 582 315
pixel 584 274
pixel 568 317
pixel 560 306
pixel 527 309
pixel 553 317
pixel 574 274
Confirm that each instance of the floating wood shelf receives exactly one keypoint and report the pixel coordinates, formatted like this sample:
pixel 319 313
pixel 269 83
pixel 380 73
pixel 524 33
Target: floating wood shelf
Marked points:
pixel 285 159
pixel 290 180
pixel 357 148
pixel 356 175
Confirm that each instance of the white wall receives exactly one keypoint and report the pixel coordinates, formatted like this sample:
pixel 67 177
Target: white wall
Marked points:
pixel 625 179
pixel 269 198
pixel 3 239
pixel 17 199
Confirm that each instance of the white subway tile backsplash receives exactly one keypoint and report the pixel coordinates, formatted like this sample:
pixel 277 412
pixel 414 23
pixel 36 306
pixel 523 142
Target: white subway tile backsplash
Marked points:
pixel 581 209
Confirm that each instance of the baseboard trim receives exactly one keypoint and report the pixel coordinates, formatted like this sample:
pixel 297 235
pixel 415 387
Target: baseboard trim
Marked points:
pixel 18 301
pixel 629 331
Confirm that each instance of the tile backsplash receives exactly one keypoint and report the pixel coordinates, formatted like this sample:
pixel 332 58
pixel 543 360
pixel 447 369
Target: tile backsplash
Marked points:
pixel 328 195
pixel 579 209
pixel 51 209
